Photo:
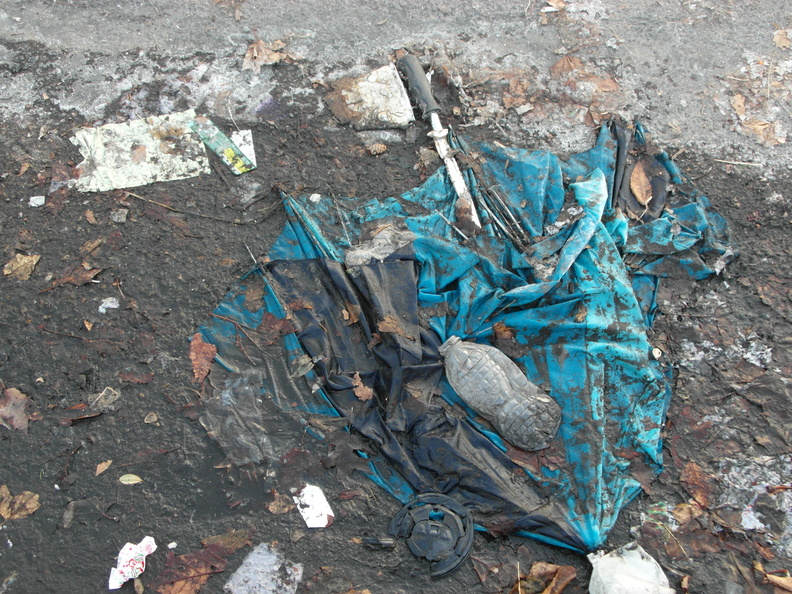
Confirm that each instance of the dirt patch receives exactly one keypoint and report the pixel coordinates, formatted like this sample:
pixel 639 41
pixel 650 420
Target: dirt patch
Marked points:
pixel 180 248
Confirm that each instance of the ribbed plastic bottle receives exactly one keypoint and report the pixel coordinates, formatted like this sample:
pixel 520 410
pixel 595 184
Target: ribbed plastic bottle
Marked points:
pixel 492 385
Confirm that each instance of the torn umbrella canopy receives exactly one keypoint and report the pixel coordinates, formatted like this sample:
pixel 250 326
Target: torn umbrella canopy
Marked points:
pixel 355 299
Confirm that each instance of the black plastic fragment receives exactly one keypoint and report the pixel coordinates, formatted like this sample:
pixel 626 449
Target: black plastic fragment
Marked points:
pixel 437 529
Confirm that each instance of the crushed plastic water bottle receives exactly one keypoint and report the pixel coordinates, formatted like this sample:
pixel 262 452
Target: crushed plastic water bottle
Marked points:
pixel 492 384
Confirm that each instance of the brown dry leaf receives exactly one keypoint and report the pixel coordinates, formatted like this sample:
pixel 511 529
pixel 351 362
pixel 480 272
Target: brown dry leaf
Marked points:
pixel 12 409
pixel 502 331
pixel 738 103
pixel 102 466
pixel 88 325
pixel 76 276
pixel 696 483
pixel 18 506
pixel 20 267
pixel 201 354
pixel 254 296
pixel 391 324
pixel 280 504
pixel 25 166
pixel 765 131
pixel 186 574
pixel 135 378
pixel 90 217
pixel 686 512
pixel 362 391
pixel 90 246
pixel 261 53
pixel 565 65
pixel 783 583
pixel 780 38
pixel 640 185
pixel 557 4
pixel 556 577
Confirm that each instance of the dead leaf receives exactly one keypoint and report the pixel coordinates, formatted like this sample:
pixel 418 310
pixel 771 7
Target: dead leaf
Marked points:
pixel 782 582
pixel 780 38
pixel 565 65
pixel 280 504
pixel 90 217
pixel 640 185
pixel 186 574
pixel 557 4
pixel 88 325
pixel 696 483
pixel 765 131
pixel 20 267
pixel 130 479
pixel 25 166
pixel 555 577
pixel 261 53
pixel 90 246
pixel 738 103
pixel 201 354
pixel 77 276
pixel 135 378
pixel 686 512
pixel 102 466
pixel 362 391
pixel 18 506
pixel 151 418
pixel 391 324
pixel 254 296
pixel 502 331
pixel 12 409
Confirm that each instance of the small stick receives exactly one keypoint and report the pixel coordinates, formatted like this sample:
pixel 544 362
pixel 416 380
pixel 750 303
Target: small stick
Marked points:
pixel 450 224
pixel 738 163
pixel 80 337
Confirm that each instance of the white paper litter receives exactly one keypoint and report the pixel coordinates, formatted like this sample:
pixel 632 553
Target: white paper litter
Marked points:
pixel 131 562
pixel 375 100
pixel 627 570
pixel 244 141
pixel 139 152
pixel 313 506
pixel 36 201
pixel 264 571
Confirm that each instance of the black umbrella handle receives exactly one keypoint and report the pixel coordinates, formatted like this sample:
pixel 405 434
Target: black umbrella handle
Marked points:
pixel 419 86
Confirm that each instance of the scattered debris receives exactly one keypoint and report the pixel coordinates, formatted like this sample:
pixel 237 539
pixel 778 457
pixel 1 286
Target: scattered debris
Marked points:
pixel 261 53
pixel 131 562
pixel 313 507
pixel 139 152
pixel 37 201
pixel 376 100
pixel 236 160
pixel 78 275
pixel 376 148
pixel 186 574
pixel 627 570
pixel 18 506
pixel 265 571
pixel 20 267
pixel 280 504
pixel 12 409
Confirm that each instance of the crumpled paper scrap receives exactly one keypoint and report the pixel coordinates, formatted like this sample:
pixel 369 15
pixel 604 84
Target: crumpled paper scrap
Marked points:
pixel 131 562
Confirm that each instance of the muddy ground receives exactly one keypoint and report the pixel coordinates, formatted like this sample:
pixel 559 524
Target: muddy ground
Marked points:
pixel 182 246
